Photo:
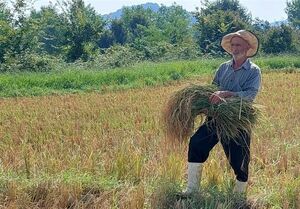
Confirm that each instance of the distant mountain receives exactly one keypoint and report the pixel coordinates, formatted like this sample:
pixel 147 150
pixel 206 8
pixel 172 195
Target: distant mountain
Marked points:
pixel 117 14
pixel 153 6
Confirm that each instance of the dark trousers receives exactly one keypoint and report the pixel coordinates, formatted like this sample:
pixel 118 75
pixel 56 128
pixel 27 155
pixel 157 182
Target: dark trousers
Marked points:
pixel 236 150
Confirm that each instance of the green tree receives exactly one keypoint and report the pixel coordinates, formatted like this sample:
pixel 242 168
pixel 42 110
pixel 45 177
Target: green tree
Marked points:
pixel 260 25
pixel 4 12
pixel 216 19
pixel 136 19
pixel 24 35
pixel 51 30
pixel 106 40
pixel 83 29
pixel 174 22
pixel 19 52
pixel 293 12
pixel 278 40
pixel 118 30
pixel 6 30
pixel 260 28
pixel 209 7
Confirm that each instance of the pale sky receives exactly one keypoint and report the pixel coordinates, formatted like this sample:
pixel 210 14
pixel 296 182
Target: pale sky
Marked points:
pixel 270 10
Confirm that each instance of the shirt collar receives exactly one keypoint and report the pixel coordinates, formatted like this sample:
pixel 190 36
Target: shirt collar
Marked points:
pixel 246 65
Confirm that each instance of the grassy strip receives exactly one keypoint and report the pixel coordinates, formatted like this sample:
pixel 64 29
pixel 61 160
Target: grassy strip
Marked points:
pixel 274 63
pixel 80 79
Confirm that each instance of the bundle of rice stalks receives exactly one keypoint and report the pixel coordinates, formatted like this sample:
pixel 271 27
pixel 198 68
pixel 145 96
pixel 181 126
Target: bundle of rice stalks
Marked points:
pixel 229 117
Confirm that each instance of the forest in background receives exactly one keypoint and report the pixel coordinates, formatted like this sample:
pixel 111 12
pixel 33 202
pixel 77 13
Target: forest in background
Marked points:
pixel 70 31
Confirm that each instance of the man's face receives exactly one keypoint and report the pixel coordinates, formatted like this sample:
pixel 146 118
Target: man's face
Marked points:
pixel 239 48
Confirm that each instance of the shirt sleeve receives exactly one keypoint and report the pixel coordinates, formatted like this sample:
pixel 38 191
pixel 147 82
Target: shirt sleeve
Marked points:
pixel 251 86
pixel 216 80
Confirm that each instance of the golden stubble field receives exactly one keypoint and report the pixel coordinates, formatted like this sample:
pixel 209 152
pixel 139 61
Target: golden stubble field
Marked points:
pixel 109 150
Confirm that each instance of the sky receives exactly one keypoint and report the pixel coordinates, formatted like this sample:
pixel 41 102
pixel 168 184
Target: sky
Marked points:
pixel 270 10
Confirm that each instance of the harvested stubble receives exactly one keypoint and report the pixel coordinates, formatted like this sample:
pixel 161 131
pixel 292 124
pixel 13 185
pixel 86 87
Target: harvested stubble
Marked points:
pixel 230 117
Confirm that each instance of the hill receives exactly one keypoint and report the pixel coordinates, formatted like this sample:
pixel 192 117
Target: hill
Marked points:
pixel 117 14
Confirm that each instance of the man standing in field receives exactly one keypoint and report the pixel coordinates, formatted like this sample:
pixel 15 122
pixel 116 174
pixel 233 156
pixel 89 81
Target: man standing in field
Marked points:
pixel 238 77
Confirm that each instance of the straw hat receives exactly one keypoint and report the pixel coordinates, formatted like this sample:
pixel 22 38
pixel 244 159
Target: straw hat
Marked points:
pixel 249 37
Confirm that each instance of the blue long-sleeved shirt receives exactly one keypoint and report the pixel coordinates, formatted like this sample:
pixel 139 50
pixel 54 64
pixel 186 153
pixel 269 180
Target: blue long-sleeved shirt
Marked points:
pixel 244 82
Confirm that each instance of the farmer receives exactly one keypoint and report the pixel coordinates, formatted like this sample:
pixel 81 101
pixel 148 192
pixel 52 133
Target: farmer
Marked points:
pixel 238 77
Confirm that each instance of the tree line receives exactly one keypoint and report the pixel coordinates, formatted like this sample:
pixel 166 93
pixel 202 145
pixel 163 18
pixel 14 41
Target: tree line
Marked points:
pixel 71 31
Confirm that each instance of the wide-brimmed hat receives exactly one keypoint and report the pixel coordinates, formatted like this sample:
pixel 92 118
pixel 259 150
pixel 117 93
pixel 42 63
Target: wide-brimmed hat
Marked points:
pixel 249 37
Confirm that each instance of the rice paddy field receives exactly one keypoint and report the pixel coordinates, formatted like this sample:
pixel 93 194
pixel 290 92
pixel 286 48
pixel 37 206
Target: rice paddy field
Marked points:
pixel 109 150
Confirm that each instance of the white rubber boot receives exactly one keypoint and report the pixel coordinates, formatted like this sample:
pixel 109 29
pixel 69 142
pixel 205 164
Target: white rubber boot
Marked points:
pixel 240 187
pixel 194 177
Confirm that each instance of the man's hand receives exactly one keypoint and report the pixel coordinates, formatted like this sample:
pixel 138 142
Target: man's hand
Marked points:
pixel 219 96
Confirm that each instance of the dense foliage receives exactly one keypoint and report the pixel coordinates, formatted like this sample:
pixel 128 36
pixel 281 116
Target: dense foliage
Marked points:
pixel 71 31
pixel 293 12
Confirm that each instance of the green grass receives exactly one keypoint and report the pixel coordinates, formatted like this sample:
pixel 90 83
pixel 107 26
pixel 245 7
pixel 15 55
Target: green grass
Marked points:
pixel 79 79
pixel 273 63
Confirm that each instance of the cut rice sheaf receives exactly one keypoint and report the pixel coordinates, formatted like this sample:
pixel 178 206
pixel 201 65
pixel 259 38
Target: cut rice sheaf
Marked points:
pixel 230 117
